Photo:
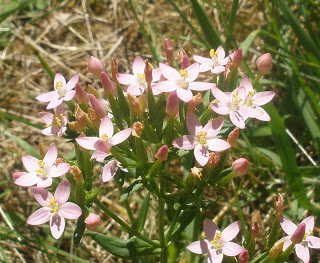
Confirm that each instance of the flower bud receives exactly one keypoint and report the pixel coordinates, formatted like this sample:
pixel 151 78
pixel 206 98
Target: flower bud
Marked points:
pixel 114 70
pixel 137 129
pixel 172 108
pixel 233 136
pixel 194 102
pixel 81 96
pixel 244 256
pixel 264 63
pixel 162 154
pixel 255 229
pixel 92 221
pixel 92 118
pixel 169 51
pixel 240 166
pixel 236 58
pixel 278 204
pixel 298 235
pixel 99 108
pixel 183 59
pixel 80 123
pixel 214 158
pixel 148 72
pixel 106 83
pixel 276 248
pixel 137 105
pixel 256 217
pixel 95 66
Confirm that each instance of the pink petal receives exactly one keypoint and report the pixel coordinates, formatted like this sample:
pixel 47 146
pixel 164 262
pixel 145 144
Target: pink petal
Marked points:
pixel 262 98
pixel 217 145
pixel 46 117
pixel 184 94
pixel 193 72
pixel 201 86
pixel 219 95
pixel 313 242
pixel 156 73
pixel 109 170
pixel 287 225
pixel 30 163
pixel 102 146
pixel 58 77
pixel 221 53
pixel 237 119
pixel 231 231
pixel 246 83
pixel 210 229
pixel 201 154
pixel 62 192
pixel 287 242
pixel 264 116
pixel 309 221
pixel 135 89
pixel 126 79
pixel 50 157
pixel 212 128
pixel 59 170
pixel 49 96
pixel 70 211
pixel 54 103
pixel 44 182
pixel 205 67
pixel 41 195
pixel 220 108
pixel 57 225
pixel 106 127
pixel 169 73
pixel 202 60
pixel 50 131
pixel 62 131
pixel 302 253
pixel 138 65
pixel 193 124
pixel 231 249
pixel 186 142
pixel 72 82
pixel 165 86
pixel 199 247
pixel 87 142
pixel 99 156
pixel 27 179
pixel 39 217
pixel 251 112
pixel 217 69
pixel 120 136
pixel 69 95
pixel 215 256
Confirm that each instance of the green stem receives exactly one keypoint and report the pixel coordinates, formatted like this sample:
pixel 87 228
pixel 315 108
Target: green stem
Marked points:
pixel 123 224
pixel 173 224
pixel 161 212
pixel 256 80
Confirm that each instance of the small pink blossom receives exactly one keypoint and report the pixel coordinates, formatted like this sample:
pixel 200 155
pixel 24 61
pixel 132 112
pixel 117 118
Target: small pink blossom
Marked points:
pixel 110 169
pixel 55 208
pixel 183 81
pixel 240 166
pixel 40 172
pixel 308 241
pixel 55 123
pixel 102 144
pixel 137 82
pixel 202 138
pixel 217 243
pixel 216 63
pixel 62 91
pixel 92 221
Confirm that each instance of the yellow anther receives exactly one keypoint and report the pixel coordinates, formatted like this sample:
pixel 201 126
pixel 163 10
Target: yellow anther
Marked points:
pixel 252 92
pixel 141 76
pixel 59 85
pixel 201 137
pixel 214 53
pixel 41 164
pixel 183 72
pixel 53 205
pixel 216 242
pixel 104 137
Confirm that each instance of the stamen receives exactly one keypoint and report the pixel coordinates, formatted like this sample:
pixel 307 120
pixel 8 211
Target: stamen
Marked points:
pixel 41 164
pixel 104 137
pixel 54 205
pixel 201 137
pixel 183 72
pixel 59 85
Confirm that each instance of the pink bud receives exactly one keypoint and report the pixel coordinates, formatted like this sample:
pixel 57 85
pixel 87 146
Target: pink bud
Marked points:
pixel 106 83
pixel 92 220
pixel 169 51
pixel 98 107
pixel 240 166
pixel 95 66
pixel 233 136
pixel 278 204
pixel 172 108
pixel 184 60
pixel 162 154
pixel 236 58
pixel 81 96
pixel 298 235
pixel 244 256
pixel 264 63
pixel 148 72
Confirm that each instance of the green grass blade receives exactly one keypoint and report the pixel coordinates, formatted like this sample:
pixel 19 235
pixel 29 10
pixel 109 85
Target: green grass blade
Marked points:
pixel 232 19
pixel 8 13
pixel 46 67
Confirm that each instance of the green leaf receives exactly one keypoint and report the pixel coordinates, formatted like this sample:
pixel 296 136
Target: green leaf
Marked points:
pixel 246 44
pixel 183 221
pixel 78 232
pixel 130 190
pixel 126 249
pixel 142 214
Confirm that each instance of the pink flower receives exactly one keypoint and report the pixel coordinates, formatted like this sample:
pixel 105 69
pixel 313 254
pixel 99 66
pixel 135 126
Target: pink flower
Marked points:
pixel 137 82
pixel 240 166
pixel 102 144
pixel 62 91
pixel 202 138
pixel 40 172
pixel 110 170
pixel 55 123
pixel 217 243
pixel 216 63
pixel 93 220
pixel 183 81
pixel 55 208
pixel 302 250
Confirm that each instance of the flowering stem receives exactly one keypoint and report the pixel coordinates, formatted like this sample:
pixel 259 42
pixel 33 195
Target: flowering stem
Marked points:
pixel 256 80
pixel 274 233
pixel 124 224
pixel 162 240
pixel 173 224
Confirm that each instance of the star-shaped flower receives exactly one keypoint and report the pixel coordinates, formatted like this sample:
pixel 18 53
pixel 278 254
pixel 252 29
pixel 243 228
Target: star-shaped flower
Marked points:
pixel 55 123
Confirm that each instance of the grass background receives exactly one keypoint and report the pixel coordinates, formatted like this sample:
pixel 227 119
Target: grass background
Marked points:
pixel 63 34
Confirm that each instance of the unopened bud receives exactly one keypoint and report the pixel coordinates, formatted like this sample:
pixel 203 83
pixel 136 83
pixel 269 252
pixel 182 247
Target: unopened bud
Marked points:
pixel 99 108
pixel 169 51
pixel 76 172
pixel 256 217
pixel 81 95
pixel 137 129
pixel 194 102
pixel 240 166
pixel 276 248
pixel 172 108
pixel 183 59
pixel 162 154
pixel 107 84
pixel 92 221
pixel 214 158
pixel 298 235
pixel 148 72
pixel 95 66
pixel 264 63
pixel 244 256
pixel 114 70
pixel 137 105
pixel 233 136
pixel 92 118
pixel 93 91
pixel 255 229
pixel 278 204
pixel 236 58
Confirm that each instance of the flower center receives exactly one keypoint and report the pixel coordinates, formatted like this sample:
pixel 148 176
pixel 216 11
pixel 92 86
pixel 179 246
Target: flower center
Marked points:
pixel 104 137
pixel 59 88
pixel 235 101
pixel 41 172
pixel 307 234
pixel 202 137
pixel 53 205
pixel 249 101
pixel 183 81
pixel 57 121
pixel 142 79
pixel 216 242
pixel 214 56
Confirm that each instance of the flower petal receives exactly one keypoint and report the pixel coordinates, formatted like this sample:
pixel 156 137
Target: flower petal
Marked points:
pixel 126 79
pixel 287 242
pixel 201 86
pixel 50 157
pixel 106 127
pixel 231 249
pixel 287 225
pixel 209 228
pixel 169 73
pixel 199 247
pixel 217 69
pixel 313 242
pixel 62 192
pixel 109 170
pixel 264 116
pixel 193 72
pixel 57 225
pixel 202 60
pixel 59 170
pixel 262 98
pixel 309 221
pixel 201 154
pixel 221 52
pixel 44 182
pixel 41 195
pixel 246 83
pixel 99 156
pixel 215 256
pixel 302 253
pixel 138 65
pixel 212 128
pixel 58 77
pixel 219 95
pixel 136 89
pixel 231 231
pixel 184 94
pixel 30 163
pixel 27 179
pixel 87 142
pixel 220 108
pixel 237 119
pixel 49 96
pixel 39 217
pixel 72 82
pixel 54 103
pixel 193 124
pixel 69 95
pixel 70 211
pixel 186 142
pixel 217 145
pixel 46 117
pixel 120 136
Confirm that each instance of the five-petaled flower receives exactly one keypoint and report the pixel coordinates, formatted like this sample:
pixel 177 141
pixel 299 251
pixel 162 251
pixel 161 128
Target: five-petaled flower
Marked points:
pixel 40 172
pixel 55 208
pixel 55 123
pixel 62 91
pixel 202 138
pixel 217 243
pixel 110 169
pixel 308 241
